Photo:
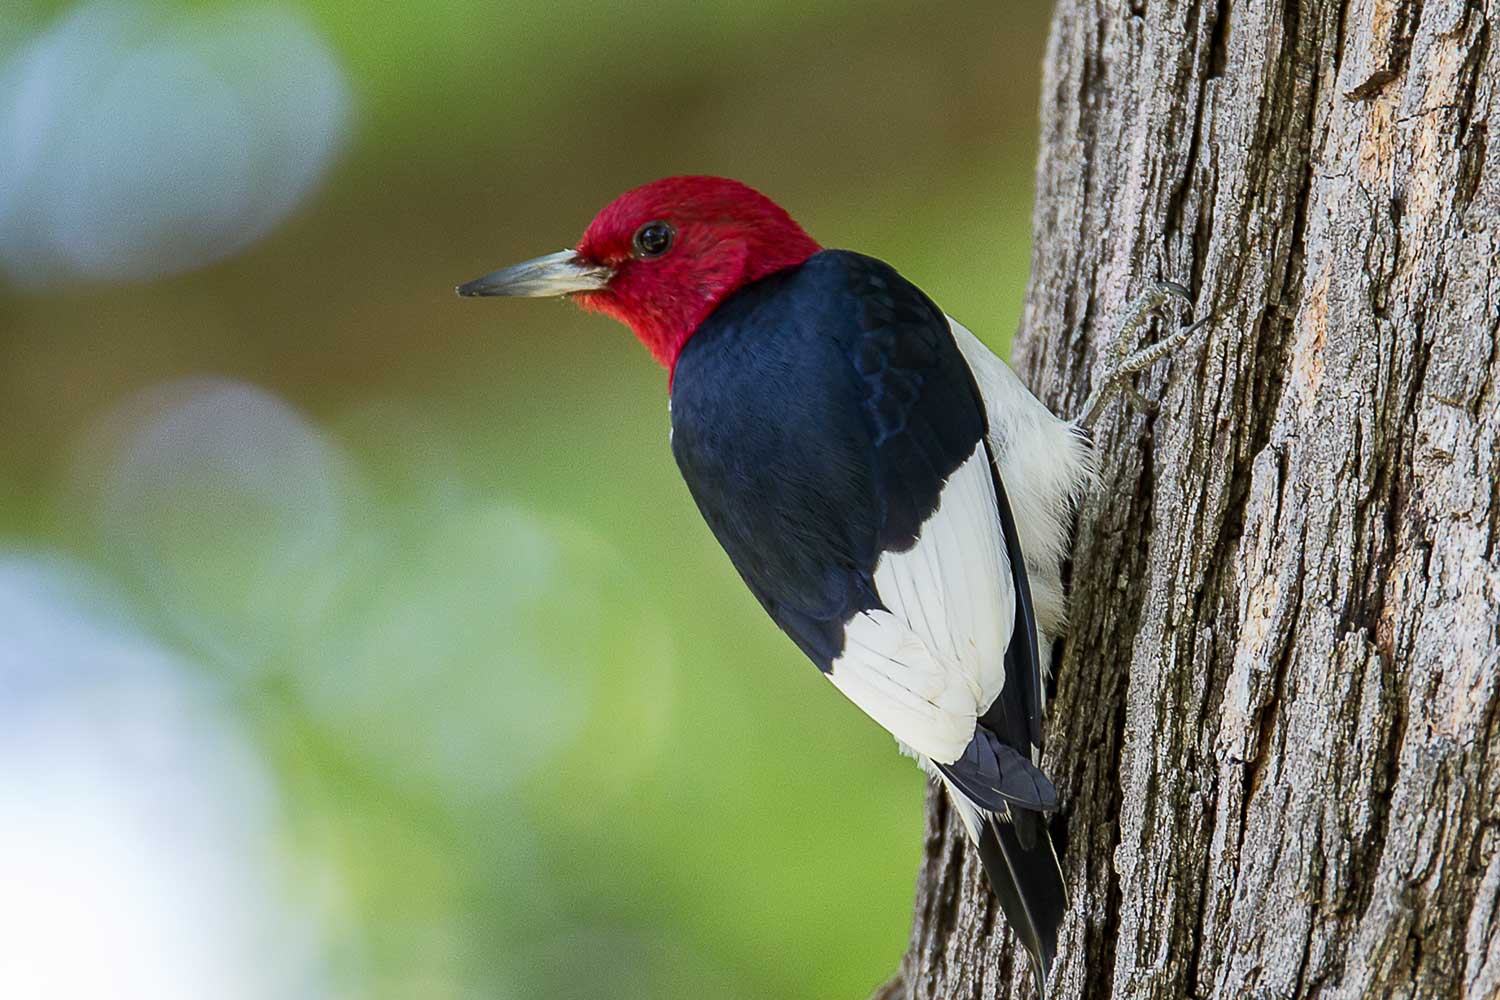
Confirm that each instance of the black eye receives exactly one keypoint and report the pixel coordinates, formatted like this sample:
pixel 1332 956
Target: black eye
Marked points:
pixel 653 239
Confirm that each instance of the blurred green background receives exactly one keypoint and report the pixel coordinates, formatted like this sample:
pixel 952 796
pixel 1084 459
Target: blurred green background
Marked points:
pixel 434 643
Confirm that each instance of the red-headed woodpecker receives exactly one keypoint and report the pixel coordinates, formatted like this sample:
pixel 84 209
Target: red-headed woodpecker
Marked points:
pixel 889 491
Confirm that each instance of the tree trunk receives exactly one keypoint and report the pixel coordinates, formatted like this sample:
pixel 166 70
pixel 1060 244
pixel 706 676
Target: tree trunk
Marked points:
pixel 1276 728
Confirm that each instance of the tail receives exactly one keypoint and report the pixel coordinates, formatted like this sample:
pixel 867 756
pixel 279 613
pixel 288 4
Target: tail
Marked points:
pixel 1023 870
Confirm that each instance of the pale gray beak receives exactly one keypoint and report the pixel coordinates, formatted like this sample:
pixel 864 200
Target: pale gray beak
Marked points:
pixel 560 273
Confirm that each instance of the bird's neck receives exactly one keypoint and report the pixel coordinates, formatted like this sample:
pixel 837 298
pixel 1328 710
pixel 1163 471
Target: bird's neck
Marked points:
pixel 666 332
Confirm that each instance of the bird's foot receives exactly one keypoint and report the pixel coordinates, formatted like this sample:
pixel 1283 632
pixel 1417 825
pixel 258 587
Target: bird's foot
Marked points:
pixel 1125 362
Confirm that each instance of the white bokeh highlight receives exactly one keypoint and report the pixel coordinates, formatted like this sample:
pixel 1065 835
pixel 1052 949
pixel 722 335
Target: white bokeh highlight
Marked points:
pixel 138 141
pixel 139 840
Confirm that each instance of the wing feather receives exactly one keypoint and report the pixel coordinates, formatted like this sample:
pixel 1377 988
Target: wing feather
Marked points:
pixel 933 660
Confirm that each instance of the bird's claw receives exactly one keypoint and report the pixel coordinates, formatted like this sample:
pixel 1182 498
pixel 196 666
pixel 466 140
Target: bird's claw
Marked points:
pixel 1126 362
pixel 1173 288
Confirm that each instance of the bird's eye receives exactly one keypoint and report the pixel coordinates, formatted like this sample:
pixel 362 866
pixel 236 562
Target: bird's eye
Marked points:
pixel 653 239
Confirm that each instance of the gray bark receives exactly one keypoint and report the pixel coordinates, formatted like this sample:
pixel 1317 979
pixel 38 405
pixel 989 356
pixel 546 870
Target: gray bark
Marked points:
pixel 1277 720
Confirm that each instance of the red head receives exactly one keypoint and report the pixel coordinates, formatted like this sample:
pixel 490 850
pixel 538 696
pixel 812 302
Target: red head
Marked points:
pixel 661 257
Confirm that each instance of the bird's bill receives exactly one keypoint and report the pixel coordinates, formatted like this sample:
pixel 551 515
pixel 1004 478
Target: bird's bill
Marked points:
pixel 560 273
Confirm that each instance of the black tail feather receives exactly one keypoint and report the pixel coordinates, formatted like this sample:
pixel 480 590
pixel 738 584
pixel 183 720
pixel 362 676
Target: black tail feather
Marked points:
pixel 1023 870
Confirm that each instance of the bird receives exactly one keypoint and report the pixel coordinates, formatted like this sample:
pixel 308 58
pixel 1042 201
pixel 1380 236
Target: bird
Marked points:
pixel 888 489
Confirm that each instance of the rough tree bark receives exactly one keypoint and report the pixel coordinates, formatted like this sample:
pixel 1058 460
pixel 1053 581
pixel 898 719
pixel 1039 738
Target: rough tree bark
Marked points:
pixel 1277 719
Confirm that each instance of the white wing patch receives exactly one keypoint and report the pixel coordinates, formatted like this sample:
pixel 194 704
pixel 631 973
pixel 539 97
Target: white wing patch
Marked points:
pixel 926 668
pixel 1046 465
